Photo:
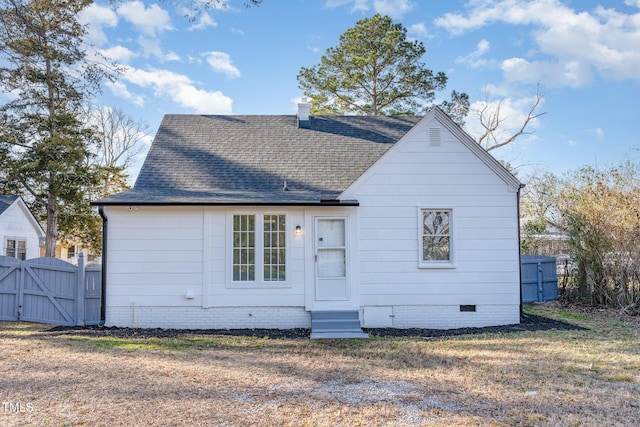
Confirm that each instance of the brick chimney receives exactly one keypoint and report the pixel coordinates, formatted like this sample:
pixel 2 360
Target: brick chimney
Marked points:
pixel 304 119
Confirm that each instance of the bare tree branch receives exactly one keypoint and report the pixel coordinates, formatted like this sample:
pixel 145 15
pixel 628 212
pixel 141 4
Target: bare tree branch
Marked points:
pixel 491 121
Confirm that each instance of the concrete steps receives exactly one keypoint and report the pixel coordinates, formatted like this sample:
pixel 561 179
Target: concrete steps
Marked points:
pixel 336 324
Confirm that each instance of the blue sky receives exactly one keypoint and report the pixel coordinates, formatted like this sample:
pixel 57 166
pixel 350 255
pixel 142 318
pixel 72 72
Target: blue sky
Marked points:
pixel 237 60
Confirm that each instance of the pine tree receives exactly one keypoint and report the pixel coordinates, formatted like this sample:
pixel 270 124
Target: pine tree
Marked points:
pixel 47 77
pixel 375 70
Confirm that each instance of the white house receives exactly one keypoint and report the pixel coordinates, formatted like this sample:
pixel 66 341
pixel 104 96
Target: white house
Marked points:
pixel 323 221
pixel 20 232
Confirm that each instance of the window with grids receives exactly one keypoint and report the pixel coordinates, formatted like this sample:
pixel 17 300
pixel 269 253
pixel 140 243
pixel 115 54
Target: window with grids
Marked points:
pixel 436 235
pixel 72 251
pixel 244 248
pixel 16 249
pixel 274 248
pixel 259 249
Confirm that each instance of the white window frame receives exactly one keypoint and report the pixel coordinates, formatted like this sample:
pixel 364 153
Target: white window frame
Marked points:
pixel 422 263
pixel 75 252
pixel 16 241
pixel 259 282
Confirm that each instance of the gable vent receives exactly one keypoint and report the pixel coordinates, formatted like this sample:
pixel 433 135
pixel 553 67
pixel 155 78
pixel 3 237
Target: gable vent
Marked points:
pixel 435 137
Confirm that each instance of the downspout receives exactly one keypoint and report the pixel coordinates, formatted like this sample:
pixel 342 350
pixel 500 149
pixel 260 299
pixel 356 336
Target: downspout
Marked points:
pixel 519 252
pixel 103 290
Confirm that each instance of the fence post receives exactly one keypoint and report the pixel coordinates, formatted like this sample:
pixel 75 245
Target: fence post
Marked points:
pixel 80 291
pixel 20 295
pixel 540 286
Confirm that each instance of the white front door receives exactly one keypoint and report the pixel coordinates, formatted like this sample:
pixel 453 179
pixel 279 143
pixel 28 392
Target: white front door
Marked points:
pixel 331 259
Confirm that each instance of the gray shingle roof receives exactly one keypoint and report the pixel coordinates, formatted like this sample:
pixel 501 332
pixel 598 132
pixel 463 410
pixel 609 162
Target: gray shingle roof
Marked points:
pixel 204 159
pixel 6 201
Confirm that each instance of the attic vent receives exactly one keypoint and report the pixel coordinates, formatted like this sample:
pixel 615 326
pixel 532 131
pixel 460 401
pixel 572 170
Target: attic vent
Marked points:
pixel 435 139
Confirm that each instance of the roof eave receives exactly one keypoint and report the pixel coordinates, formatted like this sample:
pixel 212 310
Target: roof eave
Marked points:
pixel 331 202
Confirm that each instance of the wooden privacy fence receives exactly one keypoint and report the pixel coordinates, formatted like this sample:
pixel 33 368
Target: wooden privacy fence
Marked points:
pixel 539 278
pixel 49 290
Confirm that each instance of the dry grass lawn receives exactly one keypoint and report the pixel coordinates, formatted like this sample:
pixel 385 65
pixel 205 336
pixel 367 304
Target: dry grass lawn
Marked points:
pixel 556 378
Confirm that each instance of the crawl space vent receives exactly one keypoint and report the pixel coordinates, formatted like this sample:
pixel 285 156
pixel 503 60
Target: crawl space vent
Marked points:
pixel 435 138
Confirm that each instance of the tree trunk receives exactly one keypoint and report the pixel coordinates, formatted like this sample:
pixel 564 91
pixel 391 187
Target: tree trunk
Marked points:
pixel 52 227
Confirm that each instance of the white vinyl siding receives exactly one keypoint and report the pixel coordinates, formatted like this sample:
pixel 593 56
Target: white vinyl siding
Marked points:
pixel 158 255
pixel 154 256
pixel 17 224
pixel 415 178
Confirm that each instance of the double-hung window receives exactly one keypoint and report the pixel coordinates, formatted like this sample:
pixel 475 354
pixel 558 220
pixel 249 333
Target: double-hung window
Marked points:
pixel 244 248
pixel 435 247
pixel 274 248
pixel 16 249
pixel 72 251
pixel 259 249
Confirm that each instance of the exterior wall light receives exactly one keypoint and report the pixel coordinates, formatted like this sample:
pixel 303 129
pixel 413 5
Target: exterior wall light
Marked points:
pixel 298 230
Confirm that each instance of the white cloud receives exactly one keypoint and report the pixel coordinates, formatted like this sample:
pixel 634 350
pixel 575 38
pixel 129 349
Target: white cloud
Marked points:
pixel 573 143
pixel 120 90
pixel 171 56
pixel 597 132
pixel 515 12
pixel 394 8
pixel 181 90
pixel 221 62
pixel 150 21
pixel 576 45
pixel 96 18
pixel 336 3
pixel 418 30
pixel 474 59
pixel 151 47
pixel 635 3
pixel 360 6
pixel 204 22
pixel 118 54
pixel 561 73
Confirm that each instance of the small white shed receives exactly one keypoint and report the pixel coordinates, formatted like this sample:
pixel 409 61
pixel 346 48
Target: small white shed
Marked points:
pixel 314 221
pixel 20 232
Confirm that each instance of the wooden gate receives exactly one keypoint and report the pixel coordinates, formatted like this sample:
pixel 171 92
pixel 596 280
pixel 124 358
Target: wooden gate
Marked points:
pixel 539 278
pixel 49 290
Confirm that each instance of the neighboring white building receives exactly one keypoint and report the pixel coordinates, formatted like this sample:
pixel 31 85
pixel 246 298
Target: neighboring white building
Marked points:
pixel 259 221
pixel 20 233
